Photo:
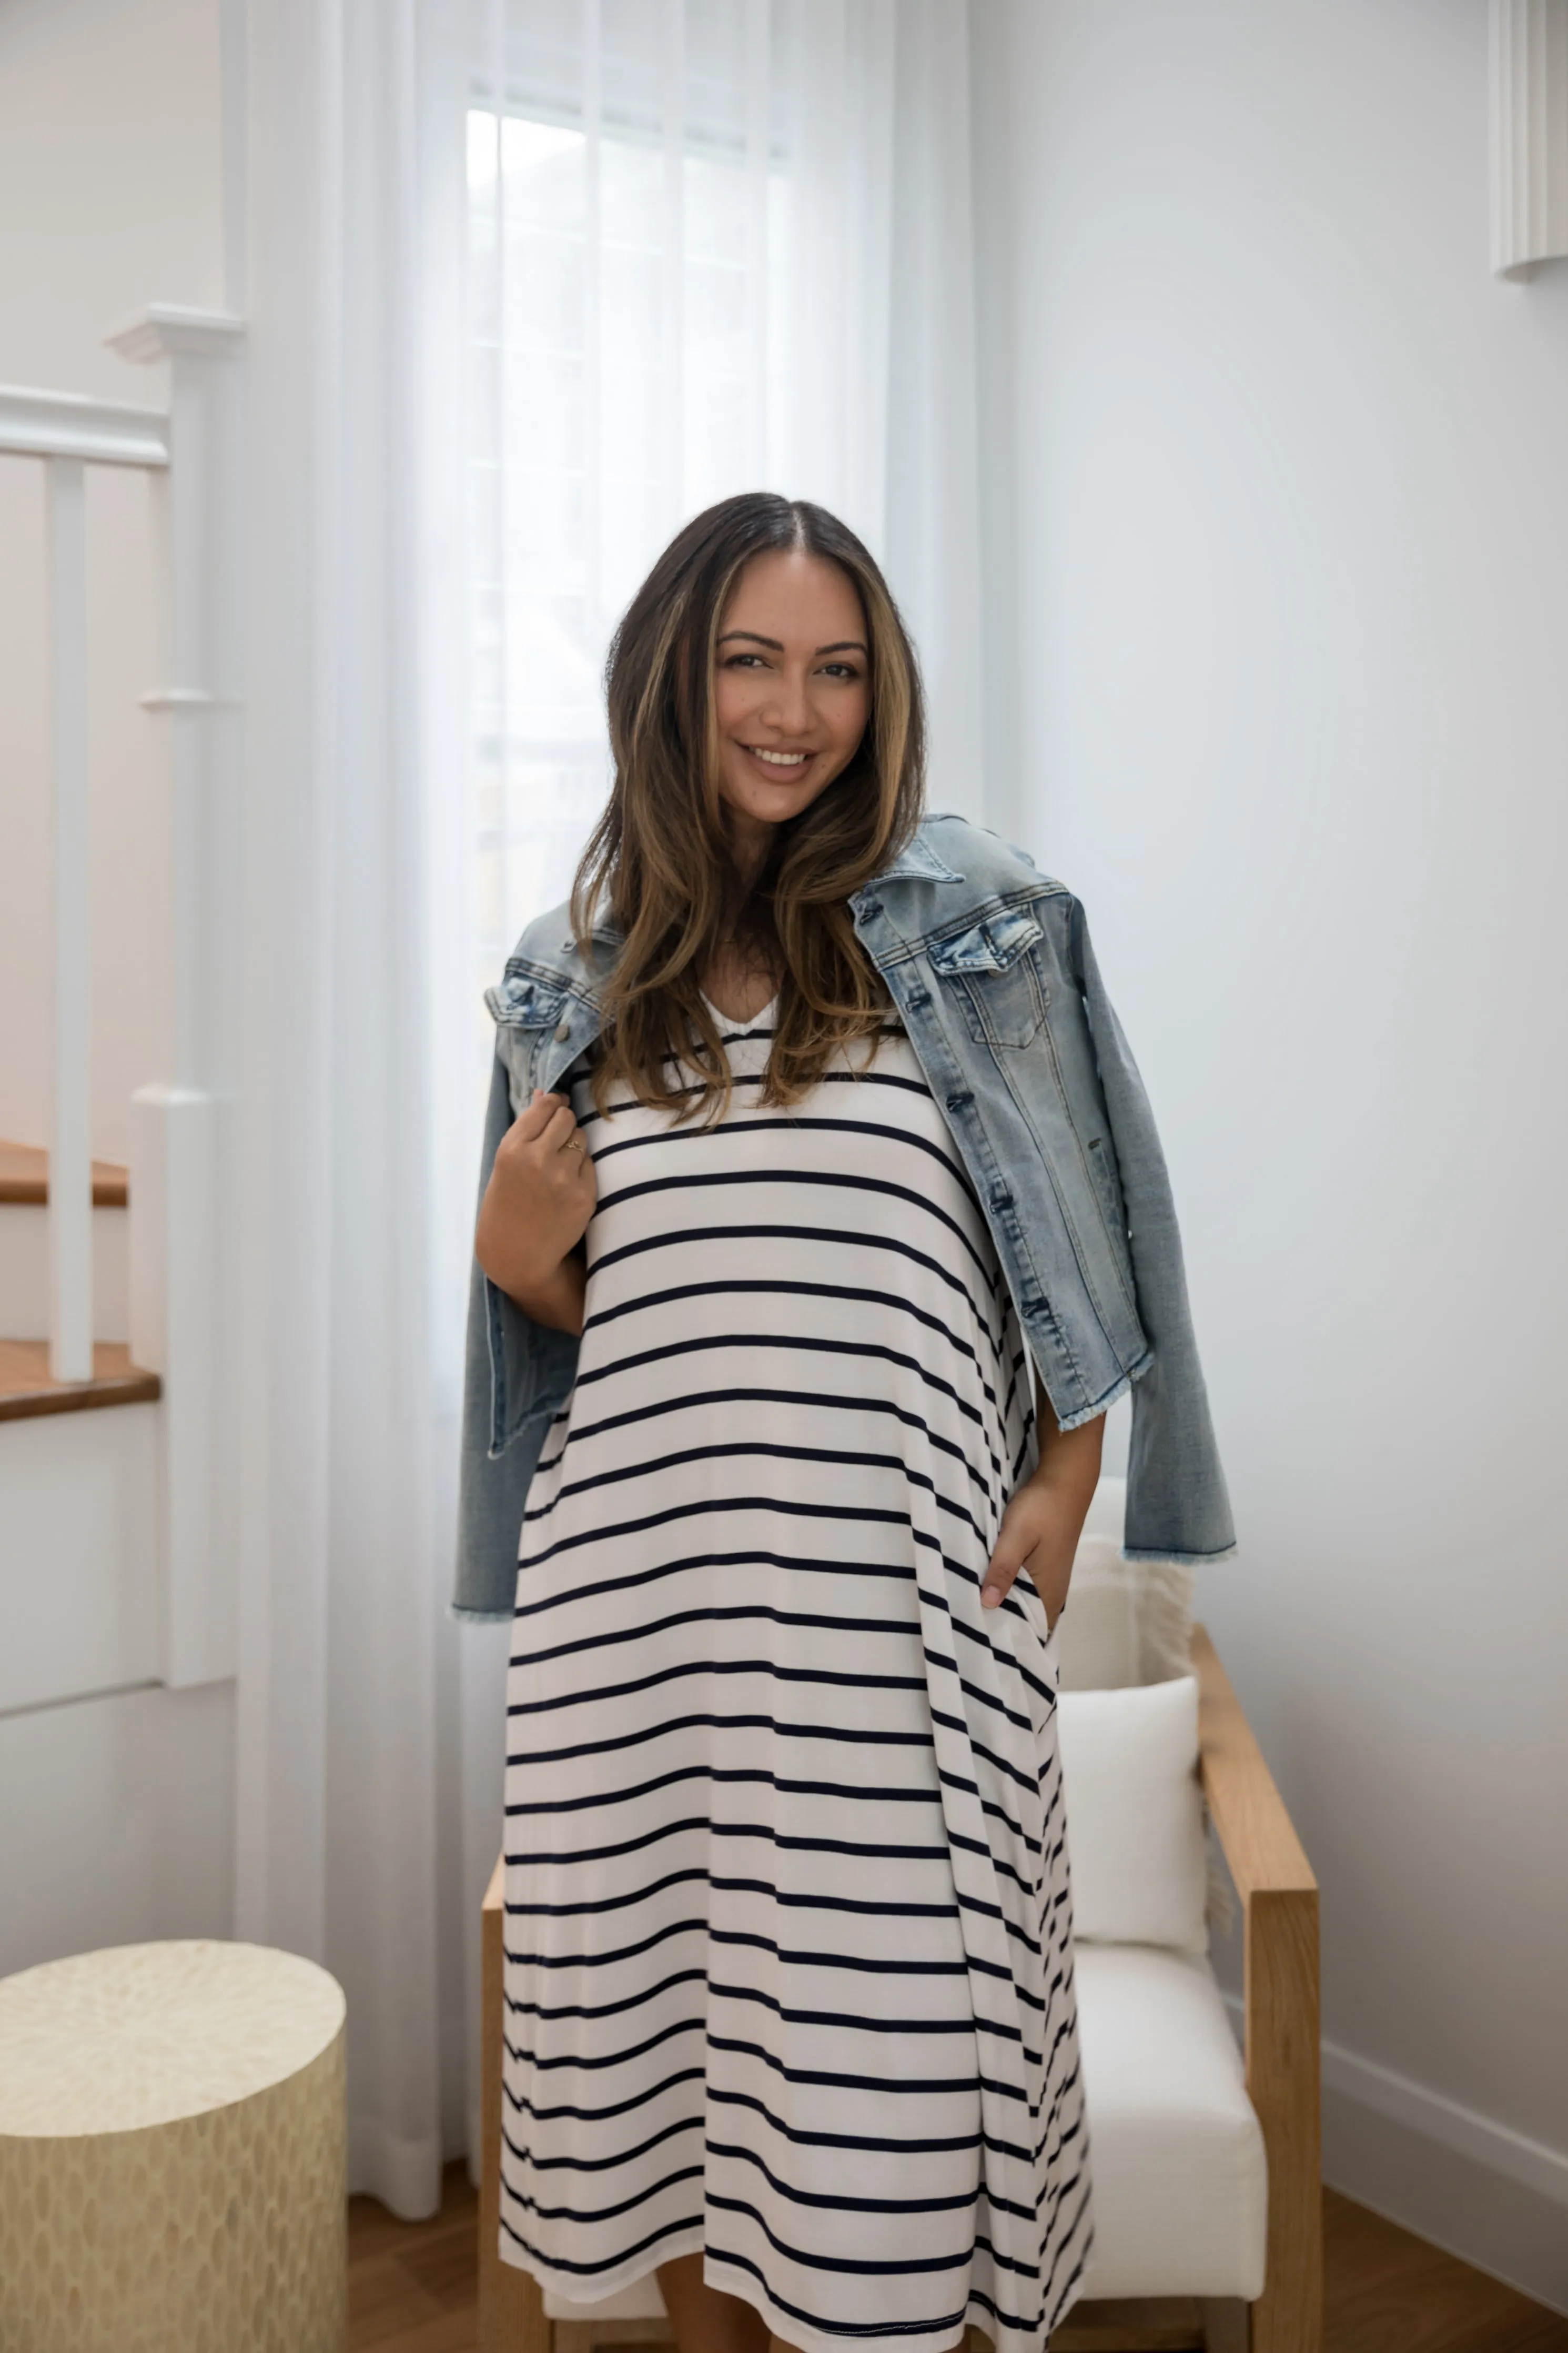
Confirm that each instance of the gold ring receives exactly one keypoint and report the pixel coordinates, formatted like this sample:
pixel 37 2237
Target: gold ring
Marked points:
pixel 574 1143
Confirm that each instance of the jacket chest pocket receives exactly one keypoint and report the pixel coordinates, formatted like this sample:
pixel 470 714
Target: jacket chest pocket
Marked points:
pixel 526 1012
pixel 992 971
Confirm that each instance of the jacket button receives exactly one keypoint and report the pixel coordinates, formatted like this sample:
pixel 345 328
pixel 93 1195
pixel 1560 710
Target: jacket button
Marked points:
pixel 563 1033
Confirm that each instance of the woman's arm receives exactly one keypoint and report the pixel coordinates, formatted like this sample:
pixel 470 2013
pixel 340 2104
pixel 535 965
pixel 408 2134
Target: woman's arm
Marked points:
pixel 558 1299
pixel 1041 1525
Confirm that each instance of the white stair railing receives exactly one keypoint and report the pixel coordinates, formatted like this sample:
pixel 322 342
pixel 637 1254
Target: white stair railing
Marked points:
pixel 68 434
pixel 182 1165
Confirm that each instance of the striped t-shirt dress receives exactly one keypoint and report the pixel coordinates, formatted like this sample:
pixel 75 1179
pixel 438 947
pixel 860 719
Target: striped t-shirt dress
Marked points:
pixel 788 1967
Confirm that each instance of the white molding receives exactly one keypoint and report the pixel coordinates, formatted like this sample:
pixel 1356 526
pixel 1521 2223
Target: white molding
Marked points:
pixel 70 425
pixel 1491 2196
pixel 1469 2133
pixel 1435 2117
pixel 1529 134
pixel 174 331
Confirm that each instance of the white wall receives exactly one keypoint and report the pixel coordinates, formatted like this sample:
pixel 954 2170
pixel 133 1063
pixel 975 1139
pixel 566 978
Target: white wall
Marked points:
pixel 116 1811
pixel 1291 585
pixel 109 199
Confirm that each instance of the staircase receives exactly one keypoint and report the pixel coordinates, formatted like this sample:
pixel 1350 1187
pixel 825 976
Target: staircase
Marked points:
pixel 27 1388
pixel 118 1598
pixel 79 1600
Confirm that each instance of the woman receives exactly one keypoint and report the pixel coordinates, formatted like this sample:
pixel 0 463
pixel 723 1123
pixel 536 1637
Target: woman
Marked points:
pixel 807 1280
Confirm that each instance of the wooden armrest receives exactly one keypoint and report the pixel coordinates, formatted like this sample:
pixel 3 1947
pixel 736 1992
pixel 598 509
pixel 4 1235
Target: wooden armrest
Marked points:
pixel 1280 1899
pixel 1255 1831
pixel 495 1894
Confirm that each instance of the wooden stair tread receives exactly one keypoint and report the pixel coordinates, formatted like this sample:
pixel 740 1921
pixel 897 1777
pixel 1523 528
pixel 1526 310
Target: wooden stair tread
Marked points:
pixel 27 1390
pixel 24 1177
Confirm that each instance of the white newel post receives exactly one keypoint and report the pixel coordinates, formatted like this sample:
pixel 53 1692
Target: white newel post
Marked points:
pixel 182 1131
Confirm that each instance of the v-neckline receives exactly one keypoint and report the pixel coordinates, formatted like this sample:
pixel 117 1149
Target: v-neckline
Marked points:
pixel 729 1020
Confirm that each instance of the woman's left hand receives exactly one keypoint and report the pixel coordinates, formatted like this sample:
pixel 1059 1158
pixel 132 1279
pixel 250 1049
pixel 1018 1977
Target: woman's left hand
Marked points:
pixel 1039 1532
pixel 1041 1525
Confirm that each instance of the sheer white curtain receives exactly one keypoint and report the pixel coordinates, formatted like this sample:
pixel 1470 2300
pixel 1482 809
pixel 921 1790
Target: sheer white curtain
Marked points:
pixel 347 1253
pixel 529 283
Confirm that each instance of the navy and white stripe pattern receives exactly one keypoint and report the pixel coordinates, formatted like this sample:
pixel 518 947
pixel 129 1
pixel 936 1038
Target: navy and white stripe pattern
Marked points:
pixel 788 1972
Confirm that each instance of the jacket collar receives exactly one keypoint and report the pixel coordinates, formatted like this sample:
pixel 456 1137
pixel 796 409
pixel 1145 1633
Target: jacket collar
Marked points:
pixel 919 861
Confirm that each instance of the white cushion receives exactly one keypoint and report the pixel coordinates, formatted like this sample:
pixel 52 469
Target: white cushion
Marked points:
pixel 1135 1814
pixel 1181 2181
pixel 1176 2156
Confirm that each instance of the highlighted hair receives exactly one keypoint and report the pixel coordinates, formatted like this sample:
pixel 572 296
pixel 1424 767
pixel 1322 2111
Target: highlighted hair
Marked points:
pixel 658 863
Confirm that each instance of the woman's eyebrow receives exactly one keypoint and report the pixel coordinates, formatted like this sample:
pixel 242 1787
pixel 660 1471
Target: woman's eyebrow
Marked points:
pixel 842 646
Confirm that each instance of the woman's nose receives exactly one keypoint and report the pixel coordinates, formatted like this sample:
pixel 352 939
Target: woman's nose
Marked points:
pixel 788 708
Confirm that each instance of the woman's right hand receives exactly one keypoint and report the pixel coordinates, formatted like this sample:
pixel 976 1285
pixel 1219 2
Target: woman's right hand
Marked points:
pixel 536 1206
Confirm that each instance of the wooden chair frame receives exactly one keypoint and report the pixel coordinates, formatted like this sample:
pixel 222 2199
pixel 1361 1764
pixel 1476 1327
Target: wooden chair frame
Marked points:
pixel 1279 1909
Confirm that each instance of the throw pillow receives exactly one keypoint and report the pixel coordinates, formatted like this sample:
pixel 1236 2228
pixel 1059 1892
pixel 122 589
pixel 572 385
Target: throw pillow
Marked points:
pixel 1134 1814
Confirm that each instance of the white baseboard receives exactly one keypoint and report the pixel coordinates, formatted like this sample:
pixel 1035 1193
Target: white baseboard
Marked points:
pixel 1463 2130
pixel 1491 2196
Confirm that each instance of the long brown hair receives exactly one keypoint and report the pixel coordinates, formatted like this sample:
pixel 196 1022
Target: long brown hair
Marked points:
pixel 658 861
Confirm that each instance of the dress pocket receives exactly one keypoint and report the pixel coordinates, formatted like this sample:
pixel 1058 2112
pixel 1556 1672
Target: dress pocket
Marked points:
pixel 993 973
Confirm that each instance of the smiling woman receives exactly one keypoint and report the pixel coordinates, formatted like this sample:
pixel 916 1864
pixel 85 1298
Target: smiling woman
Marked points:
pixel 787 1963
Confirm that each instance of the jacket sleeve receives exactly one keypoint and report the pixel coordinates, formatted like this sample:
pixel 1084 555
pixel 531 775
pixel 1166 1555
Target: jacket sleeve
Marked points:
pixel 1175 1478
pixel 516 1373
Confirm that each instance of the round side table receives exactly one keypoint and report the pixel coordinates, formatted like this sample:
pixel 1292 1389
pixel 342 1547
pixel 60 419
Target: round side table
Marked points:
pixel 172 2153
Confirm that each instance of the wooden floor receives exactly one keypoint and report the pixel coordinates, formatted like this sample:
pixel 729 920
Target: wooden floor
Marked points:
pixel 412 2287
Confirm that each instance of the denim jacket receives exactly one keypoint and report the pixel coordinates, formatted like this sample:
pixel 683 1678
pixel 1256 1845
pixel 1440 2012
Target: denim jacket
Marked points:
pixel 989 964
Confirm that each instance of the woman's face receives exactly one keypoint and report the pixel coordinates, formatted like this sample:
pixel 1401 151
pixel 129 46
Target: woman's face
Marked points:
pixel 791 686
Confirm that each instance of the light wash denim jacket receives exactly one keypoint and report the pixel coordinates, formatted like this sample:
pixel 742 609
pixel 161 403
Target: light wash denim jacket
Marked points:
pixel 990 966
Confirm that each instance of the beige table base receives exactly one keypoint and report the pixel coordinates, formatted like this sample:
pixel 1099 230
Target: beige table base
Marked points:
pixel 219 2232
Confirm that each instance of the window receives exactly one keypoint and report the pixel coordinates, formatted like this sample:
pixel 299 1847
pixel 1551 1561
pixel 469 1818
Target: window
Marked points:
pixel 678 270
